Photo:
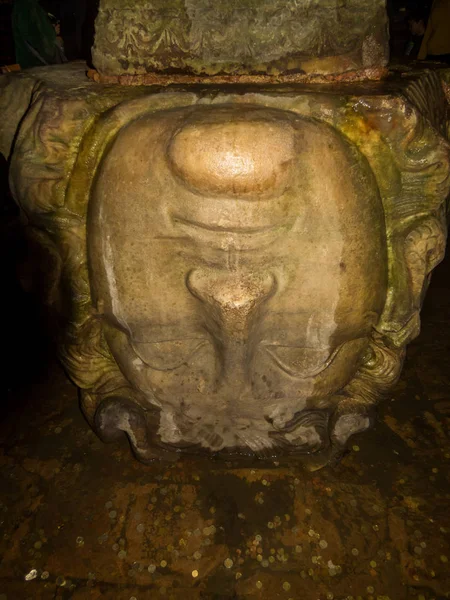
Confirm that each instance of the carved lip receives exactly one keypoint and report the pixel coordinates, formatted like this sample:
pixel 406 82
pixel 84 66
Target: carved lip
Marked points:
pixel 243 237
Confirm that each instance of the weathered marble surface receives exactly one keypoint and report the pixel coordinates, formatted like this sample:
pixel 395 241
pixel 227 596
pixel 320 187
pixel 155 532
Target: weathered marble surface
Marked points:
pixel 235 36
pixel 236 270
pixel 89 522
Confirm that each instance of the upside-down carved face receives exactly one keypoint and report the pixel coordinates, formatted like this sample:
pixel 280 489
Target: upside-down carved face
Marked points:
pixel 238 257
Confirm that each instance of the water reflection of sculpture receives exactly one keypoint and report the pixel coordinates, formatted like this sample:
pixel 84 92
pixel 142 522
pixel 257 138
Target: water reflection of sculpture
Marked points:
pixel 254 274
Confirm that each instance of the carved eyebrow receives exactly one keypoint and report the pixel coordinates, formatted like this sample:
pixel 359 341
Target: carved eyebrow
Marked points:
pixel 167 358
pixel 324 352
pixel 320 352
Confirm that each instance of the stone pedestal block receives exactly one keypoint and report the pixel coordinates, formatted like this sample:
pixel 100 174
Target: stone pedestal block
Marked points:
pixel 236 270
pixel 239 37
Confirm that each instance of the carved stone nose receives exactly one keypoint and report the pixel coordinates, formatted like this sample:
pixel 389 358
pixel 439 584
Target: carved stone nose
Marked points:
pixel 226 157
pixel 232 299
pixel 232 304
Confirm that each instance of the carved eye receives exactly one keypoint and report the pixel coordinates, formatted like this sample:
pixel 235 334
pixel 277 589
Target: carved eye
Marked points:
pixel 301 362
pixel 169 354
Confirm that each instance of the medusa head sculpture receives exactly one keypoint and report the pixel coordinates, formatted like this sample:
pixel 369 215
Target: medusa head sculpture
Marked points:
pixel 241 275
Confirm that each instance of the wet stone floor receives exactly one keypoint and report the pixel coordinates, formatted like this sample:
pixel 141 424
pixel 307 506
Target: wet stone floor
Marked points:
pixel 84 520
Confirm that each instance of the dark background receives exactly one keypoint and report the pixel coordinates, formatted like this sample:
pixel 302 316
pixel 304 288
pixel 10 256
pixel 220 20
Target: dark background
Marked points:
pixel 77 27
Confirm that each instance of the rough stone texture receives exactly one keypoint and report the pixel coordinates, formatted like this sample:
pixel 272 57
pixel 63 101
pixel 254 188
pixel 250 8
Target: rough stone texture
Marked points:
pixel 256 258
pixel 236 36
pixel 166 79
pixel 87 522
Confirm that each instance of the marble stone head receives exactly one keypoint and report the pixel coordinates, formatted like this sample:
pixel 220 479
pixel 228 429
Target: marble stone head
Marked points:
pixel 245 275
pixel 238 260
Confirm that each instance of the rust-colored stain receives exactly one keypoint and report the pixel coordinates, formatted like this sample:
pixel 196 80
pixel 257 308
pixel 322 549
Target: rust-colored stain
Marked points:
pixel 371 74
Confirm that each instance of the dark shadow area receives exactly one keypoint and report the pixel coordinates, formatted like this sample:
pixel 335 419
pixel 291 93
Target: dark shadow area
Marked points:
pixel 76 19
pixel 6 40
pixel 26 340
pixel 404 34
pixel 77 25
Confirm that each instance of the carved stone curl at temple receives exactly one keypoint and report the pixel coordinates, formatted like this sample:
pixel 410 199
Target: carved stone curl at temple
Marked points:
pixel 235 272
